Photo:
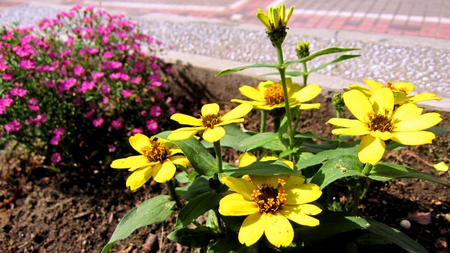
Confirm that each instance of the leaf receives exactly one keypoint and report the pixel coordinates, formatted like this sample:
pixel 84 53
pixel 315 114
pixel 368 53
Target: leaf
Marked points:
pixel 199 157
pixel 260 140
pixel 233 137
pixel 439 130
pixel 197 206
pixel 340 58
pixel 199 186
pixel 151 211
pixel 288 73
pixel 269 168
pixel 231 244
pixel 335 168
pixel 441 166
pixel 344 149
pixel 237 69
pixel 331 50
pixel 388 171
pixel 195 238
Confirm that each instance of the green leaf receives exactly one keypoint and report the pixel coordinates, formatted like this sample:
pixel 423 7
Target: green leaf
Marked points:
pixel 196 207
pixel 344 149
pixel 288 73
pixel 233 137
pixel 331 50
pixel 340 58
pixel 151 211
pixel 439 130
pixel 237 69
pixel 195 238
pixel 388 171
pixel 268 168
pixel 261 140
pixel 231 244
pixel 338 167
pixel 199 186
pixel 199 157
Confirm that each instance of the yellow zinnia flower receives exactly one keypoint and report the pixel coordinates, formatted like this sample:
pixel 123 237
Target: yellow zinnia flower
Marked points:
pixel 276 18
pixel 269 95
pixel 157 159
pixel 377 119
pixel 210 122
pixel 401 91
pixel 270 202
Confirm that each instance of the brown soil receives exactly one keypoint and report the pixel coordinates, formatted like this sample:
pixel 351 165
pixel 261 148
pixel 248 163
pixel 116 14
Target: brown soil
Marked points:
pixel 78 209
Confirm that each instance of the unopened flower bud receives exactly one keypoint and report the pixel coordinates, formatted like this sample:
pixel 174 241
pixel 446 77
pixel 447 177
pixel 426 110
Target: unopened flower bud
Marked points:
pixel 338 103
pixel 302 49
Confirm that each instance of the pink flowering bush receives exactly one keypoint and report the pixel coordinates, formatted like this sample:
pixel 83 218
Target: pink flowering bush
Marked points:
pixel 79 83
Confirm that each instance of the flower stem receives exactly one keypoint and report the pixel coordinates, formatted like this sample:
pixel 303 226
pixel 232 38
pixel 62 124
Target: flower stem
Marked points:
pixel 262 128
pixel 173 193
pixel 305 75
pixel 218 150
pixel 282 71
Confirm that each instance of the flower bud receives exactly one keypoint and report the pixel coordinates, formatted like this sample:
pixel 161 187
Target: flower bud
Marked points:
pixel 302 49
pixel 338 103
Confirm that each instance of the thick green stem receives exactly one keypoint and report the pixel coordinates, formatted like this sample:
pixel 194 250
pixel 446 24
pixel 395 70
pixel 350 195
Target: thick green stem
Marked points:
pixel 367 169
pixel 262 128
pixel 218 150
pixel 276 123
pixel 173 193
pixel 306 74
pixel 282 71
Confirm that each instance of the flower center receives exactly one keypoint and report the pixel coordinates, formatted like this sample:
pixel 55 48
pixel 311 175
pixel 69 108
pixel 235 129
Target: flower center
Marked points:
pixel 156 151
pixel 380 123
pixel 268 198
pixel 274 95
pixel 211 120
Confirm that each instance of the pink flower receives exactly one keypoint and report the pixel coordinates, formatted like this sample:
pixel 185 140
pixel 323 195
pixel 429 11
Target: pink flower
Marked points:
pixel 127 93
pixel 105 89
pixel 115 65
pixel 98 122
pixel 143 113
pixel 155 111
pixel 108 54
pixel 78 70
pixel 97 76
pixel 5 103
pixel 69 41
pixel 55 140
pixel 111 148
pixel 12 126
pixel 92 50
pixel 59 131
pixel 152 126
pixel 56 158
pixel 136 80
pixel 27 64
pixel 136 130
pixel 89 114
pixel 8 76
pixel 105 100
pixel 18 92
pixel 69 83
pixel 86 86
pixel 116 124
pixel 157 83
pixel 33 104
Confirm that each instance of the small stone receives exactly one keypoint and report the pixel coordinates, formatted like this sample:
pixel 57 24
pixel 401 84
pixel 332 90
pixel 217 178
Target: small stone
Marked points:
pixel 405 224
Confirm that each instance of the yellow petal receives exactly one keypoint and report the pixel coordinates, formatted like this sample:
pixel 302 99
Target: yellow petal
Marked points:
pixel 139 177
pixel 239 185
pixel 404 87
pixel 164 172
pixel 278 230
pixel 382 135
pixel 186 119
pixel 288 16
pixel 302 194
pixel 373 84
pixel 423 97
pixel 184 133
pixel 246 159
pixel 294 182
pixel 237 112
pixel 254 103
pixel 213 135
pixel 234 204
pixel 358 104
pixel 383 101
pixel 210 109
pixel 371 150
pixel 179 159
pixel 351 131
pixel 364 90
pixel 129 162
pixel 350 123
pixel 252 229
pixel 263 86
pixel 308 93
pixel 262 16
pixel 252 93
pixel 414 138
pixel 309 106
pixel 299 214
pixel 406 111
pixel 139 141
pixel 418 123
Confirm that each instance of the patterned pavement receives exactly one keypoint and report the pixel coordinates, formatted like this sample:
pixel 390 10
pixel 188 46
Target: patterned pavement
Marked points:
pixel 420 18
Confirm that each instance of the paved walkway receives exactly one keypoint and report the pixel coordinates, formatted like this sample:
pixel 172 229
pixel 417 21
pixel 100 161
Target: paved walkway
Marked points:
pixel 430 18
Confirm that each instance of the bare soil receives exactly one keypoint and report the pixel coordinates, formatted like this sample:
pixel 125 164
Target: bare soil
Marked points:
pixel 78 208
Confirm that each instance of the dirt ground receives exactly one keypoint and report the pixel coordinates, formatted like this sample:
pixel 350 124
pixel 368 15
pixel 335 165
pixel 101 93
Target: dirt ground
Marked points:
pixel 77 209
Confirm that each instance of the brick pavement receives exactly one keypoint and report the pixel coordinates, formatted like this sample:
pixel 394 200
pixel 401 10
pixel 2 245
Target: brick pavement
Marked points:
pixel 429 18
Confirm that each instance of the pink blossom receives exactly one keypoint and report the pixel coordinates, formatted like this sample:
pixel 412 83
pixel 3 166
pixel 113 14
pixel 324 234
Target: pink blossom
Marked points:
pixel 50 84
pixel 111 148
pixel 39 119
pixel 59 131
pixel 127 93
pixel 33 104
pixel 89 114
pixel 105 39
pixel 115 64
pixel 55 140
pixel 136 130
pixel 5 103
pixel 86 86
pixel 105 100
pixel 69 41
pixel 116 124
pixel 124 77
pixel 108 54
pixel 157 83
pixel 136 80
pixel 69 83
pixel 78 70
pixel 152 125
pixel 27 64
pixel 155 111
pixel 114 76
pixel 98 122
pixel 97 76
pixel 143 113
pixel 3 65
pixel 66 52
pixel 12 126
pixel 105 89
pixel 56 158
pixel 8 76
pixel 92 50
pixel 18 92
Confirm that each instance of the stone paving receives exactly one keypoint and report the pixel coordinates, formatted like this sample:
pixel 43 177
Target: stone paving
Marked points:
pixel 421 18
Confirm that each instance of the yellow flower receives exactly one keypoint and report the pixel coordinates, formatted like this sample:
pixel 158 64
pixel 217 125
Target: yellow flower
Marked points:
pixel 276 18
pixel 401 91
pixel 157 159
pixel 270 202
pixel 269 95
pixel 377 119
pixel 246 159
pixel 210 122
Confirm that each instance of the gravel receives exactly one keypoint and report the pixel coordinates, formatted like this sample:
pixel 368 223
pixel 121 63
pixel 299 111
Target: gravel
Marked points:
pixel 426 66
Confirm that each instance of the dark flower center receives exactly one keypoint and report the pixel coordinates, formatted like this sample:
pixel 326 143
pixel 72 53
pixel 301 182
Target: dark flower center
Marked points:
pixel 274 95
pixel 211 120
pixel 156 151
pixel 268 198
pixel 380 123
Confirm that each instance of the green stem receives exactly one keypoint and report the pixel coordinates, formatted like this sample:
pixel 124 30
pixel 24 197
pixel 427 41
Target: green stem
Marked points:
pixel 218 150
pixel 297 121
pixel 262 128
pixel 282 71
pixel 276 123
pixel 306 74
pixel 367 169
pixel 173 193
pixel 356 198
